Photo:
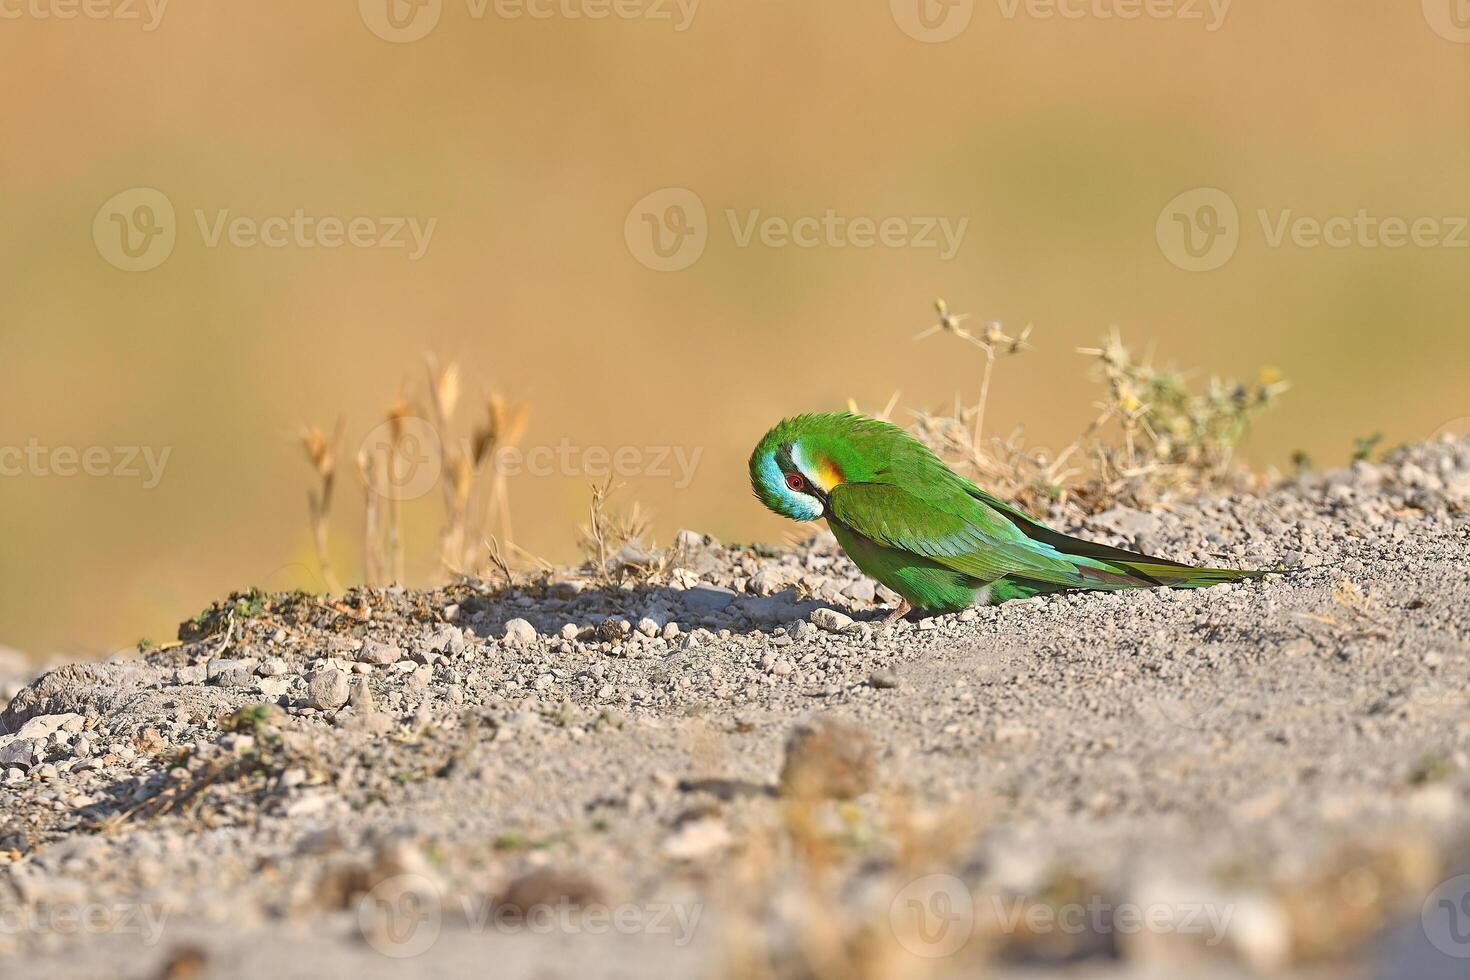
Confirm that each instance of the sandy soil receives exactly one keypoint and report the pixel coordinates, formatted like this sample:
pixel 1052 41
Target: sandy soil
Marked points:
pixel 737 772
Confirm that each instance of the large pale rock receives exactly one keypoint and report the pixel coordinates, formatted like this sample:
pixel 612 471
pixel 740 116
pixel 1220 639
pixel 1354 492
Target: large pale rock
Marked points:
pixel 328 690
pixel 77 689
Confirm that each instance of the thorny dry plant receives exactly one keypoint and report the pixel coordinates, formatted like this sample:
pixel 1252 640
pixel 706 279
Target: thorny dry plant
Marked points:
pixel 1152 436
pixel 1172 436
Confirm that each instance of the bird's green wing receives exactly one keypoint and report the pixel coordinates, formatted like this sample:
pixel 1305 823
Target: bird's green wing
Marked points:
pixel 1065 543
pixel 957 531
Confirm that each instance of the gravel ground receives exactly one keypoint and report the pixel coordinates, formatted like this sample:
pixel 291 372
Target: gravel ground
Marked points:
pixel 738 772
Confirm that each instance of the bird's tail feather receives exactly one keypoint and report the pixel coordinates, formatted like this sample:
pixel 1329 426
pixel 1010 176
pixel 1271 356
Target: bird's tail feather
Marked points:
pixel 1151 573
pixel 1120 574
pixel 1101 566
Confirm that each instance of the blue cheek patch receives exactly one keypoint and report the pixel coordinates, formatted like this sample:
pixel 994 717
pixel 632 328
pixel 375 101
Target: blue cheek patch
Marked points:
pixel 803 508
pixel 796 506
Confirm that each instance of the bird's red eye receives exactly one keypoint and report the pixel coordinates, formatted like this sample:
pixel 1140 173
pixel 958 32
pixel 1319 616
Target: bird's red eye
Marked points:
pixel 795 482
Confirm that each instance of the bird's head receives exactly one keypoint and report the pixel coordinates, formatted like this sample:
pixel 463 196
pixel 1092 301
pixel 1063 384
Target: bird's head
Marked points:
pixel 803 459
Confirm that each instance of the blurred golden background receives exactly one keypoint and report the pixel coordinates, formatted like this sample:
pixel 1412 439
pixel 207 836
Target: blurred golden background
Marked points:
pixel 526 132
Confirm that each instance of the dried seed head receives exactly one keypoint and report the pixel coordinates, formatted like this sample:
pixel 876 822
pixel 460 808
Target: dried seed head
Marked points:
pixel 1129 399
pixel 398 411
pixel 482 442
pixel 504 425
pixel 319 448
pixel 996 338
pixel 509 419
pixel 443 387
pixel 459 475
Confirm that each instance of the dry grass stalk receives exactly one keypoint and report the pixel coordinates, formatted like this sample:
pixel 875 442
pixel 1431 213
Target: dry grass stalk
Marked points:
pixel 505 423
pixel 886 415
pixel 1361 615
pixel 492 548
pixel 397 417
pixel 455 473
pixel 475 491
pixel 321 452
pixel 595 534
pixel 992 340
pixel 613 541
pixel 371 473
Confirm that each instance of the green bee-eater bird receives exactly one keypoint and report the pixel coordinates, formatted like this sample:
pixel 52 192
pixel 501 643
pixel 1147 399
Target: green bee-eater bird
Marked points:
pixel 927 533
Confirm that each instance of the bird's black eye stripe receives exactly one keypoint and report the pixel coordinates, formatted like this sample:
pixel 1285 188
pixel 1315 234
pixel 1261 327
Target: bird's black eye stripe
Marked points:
pixel 788 467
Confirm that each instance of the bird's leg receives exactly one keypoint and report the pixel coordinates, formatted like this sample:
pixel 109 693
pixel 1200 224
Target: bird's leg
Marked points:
pixel 903 608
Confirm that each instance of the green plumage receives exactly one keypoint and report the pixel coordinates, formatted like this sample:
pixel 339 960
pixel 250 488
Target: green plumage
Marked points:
pixel 935 538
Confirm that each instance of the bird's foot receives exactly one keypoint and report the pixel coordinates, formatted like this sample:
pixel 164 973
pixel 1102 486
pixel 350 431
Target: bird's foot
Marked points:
pixel 900 611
